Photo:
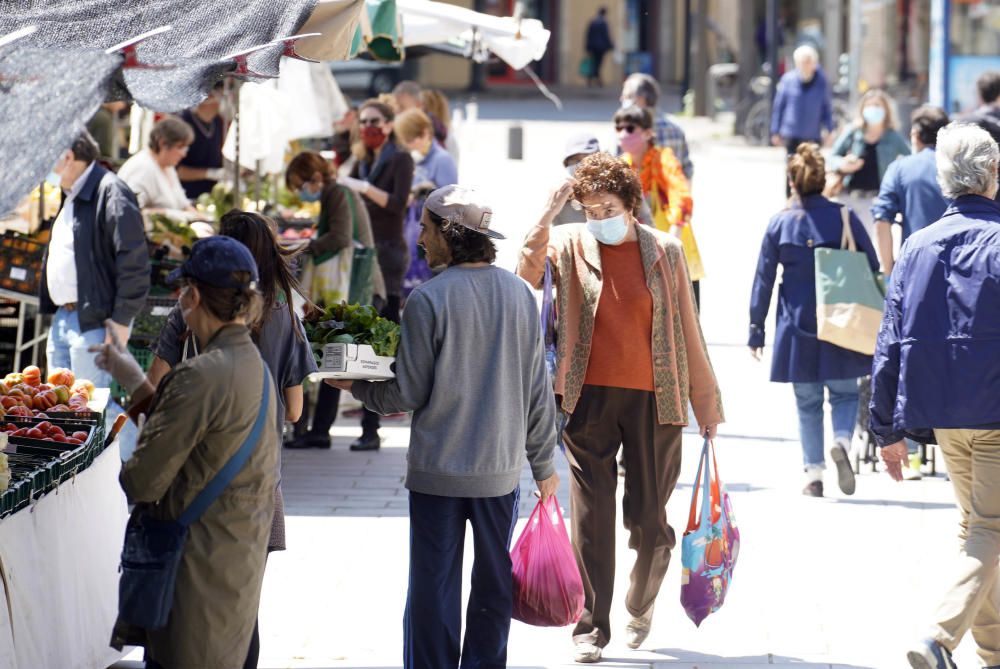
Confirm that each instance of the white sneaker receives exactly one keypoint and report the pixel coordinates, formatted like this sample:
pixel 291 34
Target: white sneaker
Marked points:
pixel 638 629
pixel 586 653
pixel 845 473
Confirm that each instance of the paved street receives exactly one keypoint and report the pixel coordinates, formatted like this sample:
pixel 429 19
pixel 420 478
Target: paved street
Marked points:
pixel 838 582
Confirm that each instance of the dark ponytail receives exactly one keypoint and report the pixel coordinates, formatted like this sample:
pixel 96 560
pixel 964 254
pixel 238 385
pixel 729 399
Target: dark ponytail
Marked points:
pixel 228 304
pixel 274 262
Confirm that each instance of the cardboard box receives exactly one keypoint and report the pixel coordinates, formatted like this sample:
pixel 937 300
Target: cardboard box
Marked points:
pixel 354 362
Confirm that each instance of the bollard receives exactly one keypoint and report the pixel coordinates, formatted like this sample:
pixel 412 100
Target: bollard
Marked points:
pixel 515 142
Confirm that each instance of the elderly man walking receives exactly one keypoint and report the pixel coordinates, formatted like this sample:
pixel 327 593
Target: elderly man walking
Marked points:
pixel 936 368
pixel 803 106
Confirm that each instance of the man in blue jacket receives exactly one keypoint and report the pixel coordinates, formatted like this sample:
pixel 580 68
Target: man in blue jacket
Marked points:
pixel 936 374
pixel 803 109
pixel 910 186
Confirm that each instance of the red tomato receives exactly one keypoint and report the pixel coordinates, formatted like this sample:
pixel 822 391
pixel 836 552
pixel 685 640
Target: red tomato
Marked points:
pixel 75 442
pixel 82 436
pixel 34 433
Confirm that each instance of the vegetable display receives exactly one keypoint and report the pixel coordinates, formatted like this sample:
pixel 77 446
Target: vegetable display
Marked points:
pixel 353 324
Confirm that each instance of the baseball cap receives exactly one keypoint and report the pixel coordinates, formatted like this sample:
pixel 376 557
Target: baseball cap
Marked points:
pixel 213 261
pixel 462 206
pixel 581 143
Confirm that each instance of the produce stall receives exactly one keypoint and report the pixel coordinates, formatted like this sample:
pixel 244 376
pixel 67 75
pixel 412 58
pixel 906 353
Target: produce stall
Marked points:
pixel 62 521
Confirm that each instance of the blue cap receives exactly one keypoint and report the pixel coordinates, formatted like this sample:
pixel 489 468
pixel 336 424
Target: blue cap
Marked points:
pixel 213 261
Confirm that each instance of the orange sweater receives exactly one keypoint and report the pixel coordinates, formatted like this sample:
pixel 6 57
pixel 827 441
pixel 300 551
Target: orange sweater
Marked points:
pixel 622 351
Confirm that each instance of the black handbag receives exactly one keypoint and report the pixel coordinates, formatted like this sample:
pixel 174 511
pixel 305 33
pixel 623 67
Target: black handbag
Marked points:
pixel 151 556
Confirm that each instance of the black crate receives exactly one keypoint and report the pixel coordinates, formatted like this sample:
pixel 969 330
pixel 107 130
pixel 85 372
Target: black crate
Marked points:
pixel 20 263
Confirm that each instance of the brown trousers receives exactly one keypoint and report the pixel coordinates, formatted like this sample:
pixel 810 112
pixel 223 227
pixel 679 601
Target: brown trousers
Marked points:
pixel 604 419
pixel 973 601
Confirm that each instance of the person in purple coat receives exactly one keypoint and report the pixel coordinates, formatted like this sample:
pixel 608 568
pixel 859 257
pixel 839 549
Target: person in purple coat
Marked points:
pixel 812 366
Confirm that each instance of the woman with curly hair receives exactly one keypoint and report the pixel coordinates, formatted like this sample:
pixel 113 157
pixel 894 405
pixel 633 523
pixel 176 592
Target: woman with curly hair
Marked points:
pixel 630 357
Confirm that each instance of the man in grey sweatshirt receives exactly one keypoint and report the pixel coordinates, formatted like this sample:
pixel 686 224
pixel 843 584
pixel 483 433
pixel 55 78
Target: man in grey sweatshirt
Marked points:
pixel 471 368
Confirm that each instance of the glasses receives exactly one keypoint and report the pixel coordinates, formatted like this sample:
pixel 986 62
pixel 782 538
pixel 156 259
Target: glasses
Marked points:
pixel 629 128
pixel 370 122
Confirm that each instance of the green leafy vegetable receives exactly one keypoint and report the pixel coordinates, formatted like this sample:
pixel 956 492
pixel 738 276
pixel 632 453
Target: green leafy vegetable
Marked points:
pixel 354 324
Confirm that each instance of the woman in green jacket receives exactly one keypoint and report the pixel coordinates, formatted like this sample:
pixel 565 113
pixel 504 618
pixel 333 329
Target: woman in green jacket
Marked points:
pixel 866 148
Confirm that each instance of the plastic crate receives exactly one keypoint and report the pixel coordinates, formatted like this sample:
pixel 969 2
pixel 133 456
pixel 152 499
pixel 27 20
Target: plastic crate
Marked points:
pixel 144 356
pixel 152 319
pixel 20 263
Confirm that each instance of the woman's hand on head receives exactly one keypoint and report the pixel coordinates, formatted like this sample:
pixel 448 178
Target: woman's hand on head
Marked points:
pixel 559 197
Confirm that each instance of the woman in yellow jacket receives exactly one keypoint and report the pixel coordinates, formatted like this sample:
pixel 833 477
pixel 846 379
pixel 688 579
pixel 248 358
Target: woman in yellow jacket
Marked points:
pixel 666 191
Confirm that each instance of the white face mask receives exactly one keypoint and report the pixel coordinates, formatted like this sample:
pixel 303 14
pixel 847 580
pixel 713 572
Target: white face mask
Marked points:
pixel 873 115
pixel 571 170
pixel 610 231
pixel 418 157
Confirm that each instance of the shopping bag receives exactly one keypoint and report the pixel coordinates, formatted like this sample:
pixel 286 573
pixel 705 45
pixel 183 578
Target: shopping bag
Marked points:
pixel 849 296
pixel 548 590
pixel 711 542
pixel 328 281
pixel 548 316
pixel 362 275
pixel 587 67
pixel 696 270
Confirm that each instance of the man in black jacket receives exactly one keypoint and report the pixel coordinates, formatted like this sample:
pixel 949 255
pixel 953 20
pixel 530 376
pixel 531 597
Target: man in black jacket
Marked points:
pixel 96 267
pixel 598 43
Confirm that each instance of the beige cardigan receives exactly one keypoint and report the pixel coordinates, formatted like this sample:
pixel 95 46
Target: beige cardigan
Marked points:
pixel 681 368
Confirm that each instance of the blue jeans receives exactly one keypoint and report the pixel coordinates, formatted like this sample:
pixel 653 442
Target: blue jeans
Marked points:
pixel 433 619
pixel 67 347
pixel 844 405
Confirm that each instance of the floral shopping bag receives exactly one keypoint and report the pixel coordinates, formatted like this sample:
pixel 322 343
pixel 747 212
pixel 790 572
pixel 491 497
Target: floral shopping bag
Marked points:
pixel 711 543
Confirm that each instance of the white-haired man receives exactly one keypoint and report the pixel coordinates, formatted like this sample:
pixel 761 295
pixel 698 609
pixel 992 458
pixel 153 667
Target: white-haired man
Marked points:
pixel 803 107
pixel 934 378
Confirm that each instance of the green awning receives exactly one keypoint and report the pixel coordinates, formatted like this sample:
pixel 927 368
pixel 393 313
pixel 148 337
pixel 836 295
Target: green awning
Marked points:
pixel 380 32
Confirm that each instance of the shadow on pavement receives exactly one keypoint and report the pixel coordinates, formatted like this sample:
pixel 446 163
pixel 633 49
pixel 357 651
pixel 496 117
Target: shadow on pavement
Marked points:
pixel 926 506
pixel 678 655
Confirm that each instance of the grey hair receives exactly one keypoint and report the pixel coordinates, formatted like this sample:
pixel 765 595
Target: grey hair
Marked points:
pixel 641 85
pixel 411 88
pixel 804 52
pixel 967 159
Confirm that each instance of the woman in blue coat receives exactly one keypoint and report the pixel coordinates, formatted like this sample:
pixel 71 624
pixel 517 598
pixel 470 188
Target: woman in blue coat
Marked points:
pixel 799 358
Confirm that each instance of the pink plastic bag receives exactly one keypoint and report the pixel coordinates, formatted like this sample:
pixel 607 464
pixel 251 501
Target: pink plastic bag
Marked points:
pixel 548 590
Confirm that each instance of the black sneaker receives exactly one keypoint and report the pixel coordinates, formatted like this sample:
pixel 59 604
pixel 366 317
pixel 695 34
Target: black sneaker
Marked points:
pixel 814 489
pixel 310 440
pixel 367 442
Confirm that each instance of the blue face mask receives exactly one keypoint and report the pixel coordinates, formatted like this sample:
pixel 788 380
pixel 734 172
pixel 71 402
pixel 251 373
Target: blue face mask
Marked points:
pixel 610 231
pixel 873 115
pixel 53 180
pixel 307 195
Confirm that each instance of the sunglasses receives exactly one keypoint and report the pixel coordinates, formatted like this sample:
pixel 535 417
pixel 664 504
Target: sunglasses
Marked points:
pixel 629 128
pixel 371 122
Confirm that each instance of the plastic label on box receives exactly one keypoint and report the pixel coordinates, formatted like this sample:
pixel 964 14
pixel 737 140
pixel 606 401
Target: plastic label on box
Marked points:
pixel 354 362
pixel 18 274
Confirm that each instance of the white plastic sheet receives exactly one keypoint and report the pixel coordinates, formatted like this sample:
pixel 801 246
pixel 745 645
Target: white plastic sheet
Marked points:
pixel 60 563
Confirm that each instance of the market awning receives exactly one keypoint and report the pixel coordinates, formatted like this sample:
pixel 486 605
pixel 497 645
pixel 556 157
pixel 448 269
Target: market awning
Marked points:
pixel 516 41
pixel 53 79
pixel 389 27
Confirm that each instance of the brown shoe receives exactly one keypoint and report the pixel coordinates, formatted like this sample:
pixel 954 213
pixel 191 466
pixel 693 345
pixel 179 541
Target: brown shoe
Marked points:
pixel 814 489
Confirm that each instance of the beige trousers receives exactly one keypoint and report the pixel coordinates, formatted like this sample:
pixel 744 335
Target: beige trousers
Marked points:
pixel 973 459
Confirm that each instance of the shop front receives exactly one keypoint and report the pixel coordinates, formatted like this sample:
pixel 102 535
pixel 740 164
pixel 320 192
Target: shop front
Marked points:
pixel 965 43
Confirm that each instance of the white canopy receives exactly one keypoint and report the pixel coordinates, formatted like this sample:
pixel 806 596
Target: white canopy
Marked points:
pixel 517 42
